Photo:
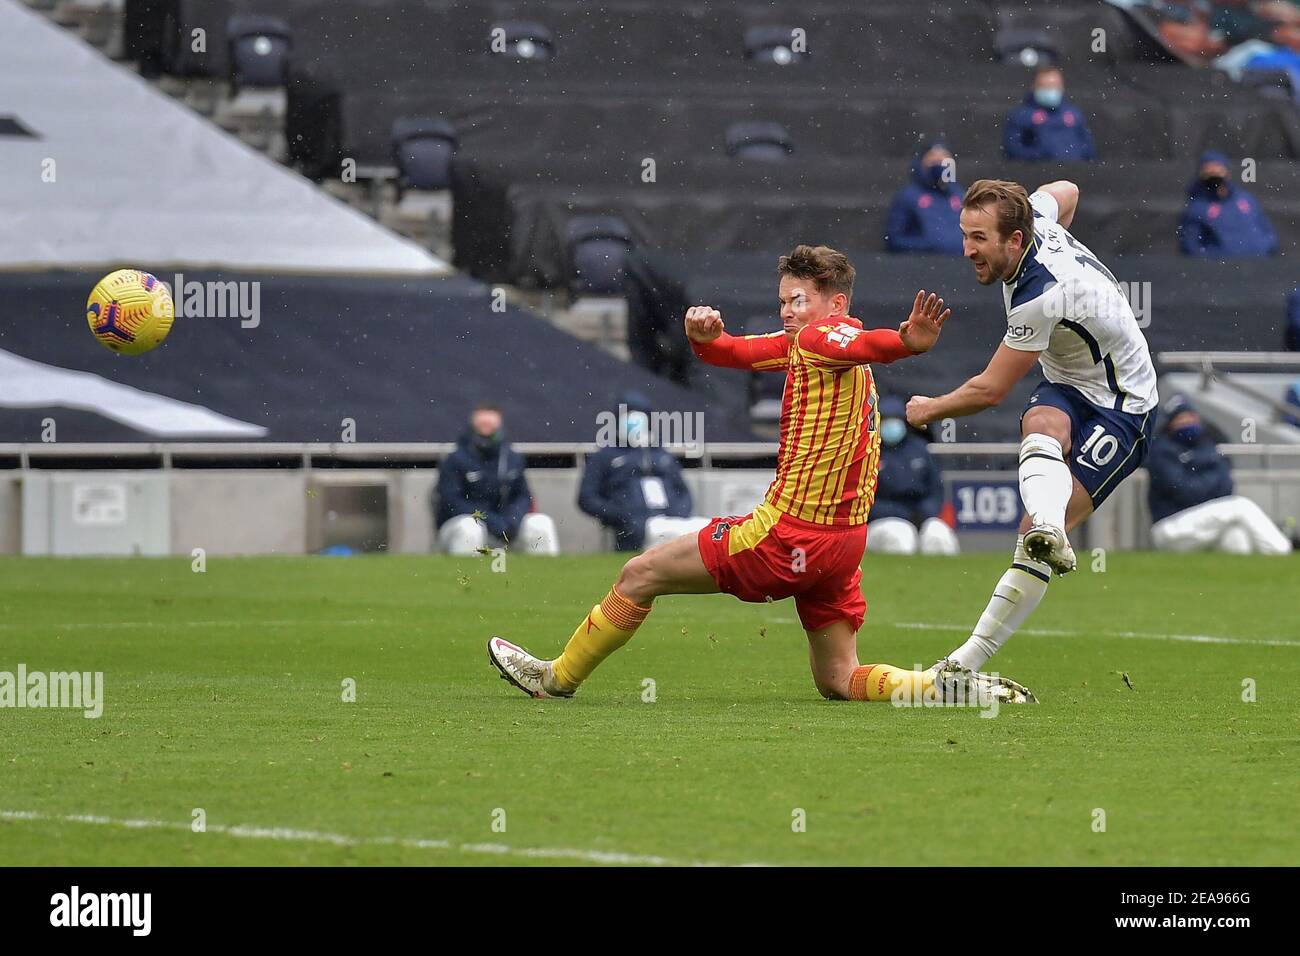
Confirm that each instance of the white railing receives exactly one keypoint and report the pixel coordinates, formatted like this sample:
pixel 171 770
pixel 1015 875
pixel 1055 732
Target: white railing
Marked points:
pixel 1213 367
pixel 1198 360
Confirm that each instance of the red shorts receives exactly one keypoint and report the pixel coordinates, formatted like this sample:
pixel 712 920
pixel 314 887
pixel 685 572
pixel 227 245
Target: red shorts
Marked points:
pixel 768 555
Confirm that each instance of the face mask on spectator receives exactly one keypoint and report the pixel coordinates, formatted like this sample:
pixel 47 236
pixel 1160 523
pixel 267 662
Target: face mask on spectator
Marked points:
pixel 934 174
pixel 1048 97
pixel 487 443
pixel 1214 183
pixel 1188 434
pixel 892 431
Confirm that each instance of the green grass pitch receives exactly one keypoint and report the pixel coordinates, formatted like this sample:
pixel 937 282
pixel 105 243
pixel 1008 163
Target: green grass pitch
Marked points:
pixel 223 692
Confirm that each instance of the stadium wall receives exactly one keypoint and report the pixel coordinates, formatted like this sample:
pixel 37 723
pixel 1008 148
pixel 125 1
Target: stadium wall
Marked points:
pixel 171 510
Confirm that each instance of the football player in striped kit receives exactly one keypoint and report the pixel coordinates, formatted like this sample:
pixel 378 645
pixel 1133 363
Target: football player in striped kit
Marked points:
pixel 806 538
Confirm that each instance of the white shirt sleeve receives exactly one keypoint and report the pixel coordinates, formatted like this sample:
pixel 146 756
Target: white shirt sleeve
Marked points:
pixel 1045 205
pixel 1030 325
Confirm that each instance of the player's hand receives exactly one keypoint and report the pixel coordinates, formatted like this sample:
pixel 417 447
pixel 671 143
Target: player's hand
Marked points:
pixel 918 411
pixel 703 323
pixel 921 330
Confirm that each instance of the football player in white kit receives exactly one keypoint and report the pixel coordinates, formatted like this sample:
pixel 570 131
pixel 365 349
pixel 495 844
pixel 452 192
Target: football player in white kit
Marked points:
pixel 1088 425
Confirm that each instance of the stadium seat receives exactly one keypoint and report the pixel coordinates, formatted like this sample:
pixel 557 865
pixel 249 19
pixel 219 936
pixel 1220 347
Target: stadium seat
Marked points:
pixel 758 140
pixel 773 44
pixel 522 40
pixel 259 51
pixel 598 247
pixel 1025 47
pixel 423 150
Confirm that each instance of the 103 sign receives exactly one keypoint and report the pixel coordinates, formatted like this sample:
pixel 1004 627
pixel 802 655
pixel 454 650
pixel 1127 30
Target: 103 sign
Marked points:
pixel 986 505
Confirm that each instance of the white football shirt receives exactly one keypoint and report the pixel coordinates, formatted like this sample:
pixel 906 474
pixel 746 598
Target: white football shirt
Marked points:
pixel 1064 303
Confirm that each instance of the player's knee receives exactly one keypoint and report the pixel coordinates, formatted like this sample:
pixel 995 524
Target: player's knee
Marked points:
pixel 830 688
pixel 1053 445
pixel 636 580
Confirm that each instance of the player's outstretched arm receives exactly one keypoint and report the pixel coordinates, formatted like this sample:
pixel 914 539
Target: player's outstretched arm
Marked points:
pixel 838 345
pixel 1066 195
pixel 711 343
pixel 979 392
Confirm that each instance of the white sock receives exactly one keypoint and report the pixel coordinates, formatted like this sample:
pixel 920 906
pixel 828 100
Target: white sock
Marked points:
pixel 1045 480
pixel 1014 599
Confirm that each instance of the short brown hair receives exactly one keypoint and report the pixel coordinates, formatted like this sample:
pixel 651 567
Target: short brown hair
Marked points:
pixel 1012 208
pixel 828 270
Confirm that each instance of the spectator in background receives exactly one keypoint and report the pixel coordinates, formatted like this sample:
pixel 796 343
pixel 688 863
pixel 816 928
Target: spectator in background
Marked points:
pixel 924 215
pixel 485 476
pixel 1221 220
pixel 1191 494
pixel 635 489
pixel 1292 398
pixel 909 492
pixel 1047 127
pixel 1292 334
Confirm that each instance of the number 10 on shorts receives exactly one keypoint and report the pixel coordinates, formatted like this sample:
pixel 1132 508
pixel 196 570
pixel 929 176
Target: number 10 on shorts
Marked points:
pixel 1098 450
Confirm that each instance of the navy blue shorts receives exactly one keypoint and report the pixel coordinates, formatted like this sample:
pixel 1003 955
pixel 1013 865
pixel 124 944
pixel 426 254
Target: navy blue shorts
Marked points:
pixel 1106 446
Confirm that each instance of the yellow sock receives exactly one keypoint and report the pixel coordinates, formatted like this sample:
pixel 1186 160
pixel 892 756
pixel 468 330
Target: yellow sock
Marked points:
pixel 882 681
pixel 608 627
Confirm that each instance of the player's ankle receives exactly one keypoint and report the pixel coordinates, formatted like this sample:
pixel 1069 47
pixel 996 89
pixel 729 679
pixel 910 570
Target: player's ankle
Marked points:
pixel 552 683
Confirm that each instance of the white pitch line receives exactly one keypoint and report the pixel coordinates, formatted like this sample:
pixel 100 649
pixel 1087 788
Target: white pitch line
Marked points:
pixel 1141 635
pixel 289 834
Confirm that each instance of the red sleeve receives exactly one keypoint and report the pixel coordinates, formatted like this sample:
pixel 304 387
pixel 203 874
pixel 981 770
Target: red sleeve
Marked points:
pixel 842 345
pixel 759 353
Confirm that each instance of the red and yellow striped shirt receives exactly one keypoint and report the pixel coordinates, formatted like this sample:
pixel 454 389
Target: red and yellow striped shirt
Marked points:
pixel 830 441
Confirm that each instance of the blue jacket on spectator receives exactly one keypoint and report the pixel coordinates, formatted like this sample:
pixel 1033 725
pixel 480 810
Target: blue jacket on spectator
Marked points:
pixel 484 477
pixel 1185 475
pixel 924 215
pixel 1293 398
pixel 910 485
pixel 1220 227
pixel 611 490
pixel 1037 134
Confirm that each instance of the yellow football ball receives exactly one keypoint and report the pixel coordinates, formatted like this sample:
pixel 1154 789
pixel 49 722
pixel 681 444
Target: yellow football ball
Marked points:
pixel 130 312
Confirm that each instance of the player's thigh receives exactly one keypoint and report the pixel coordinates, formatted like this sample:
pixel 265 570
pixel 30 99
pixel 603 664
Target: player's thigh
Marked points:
pixel 661 528
pixel 1050 421
pixel 673 567
pixel 833 657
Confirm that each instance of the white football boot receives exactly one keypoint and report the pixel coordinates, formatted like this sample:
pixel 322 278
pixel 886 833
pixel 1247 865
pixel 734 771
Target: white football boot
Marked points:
pixel 1048 543
pixel 530 674
pixel 959 684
